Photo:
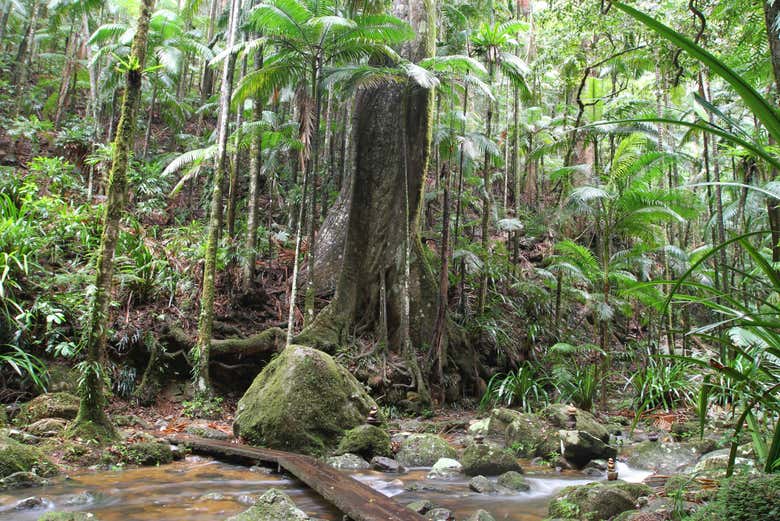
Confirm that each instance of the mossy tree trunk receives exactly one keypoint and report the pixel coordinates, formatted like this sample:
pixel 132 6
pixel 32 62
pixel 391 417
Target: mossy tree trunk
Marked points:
pixel 206 319
pixel 91 388
pixel 358 244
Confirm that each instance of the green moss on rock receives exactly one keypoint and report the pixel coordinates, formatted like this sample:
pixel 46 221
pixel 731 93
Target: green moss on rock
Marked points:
pixel 366 441
pixel 16 457
pixel 596 501
pixel 302 401
pixel 50 405
pixel 557 414
pixel 273 505
pixel 488 461
pixel 68 516
pixel 423 450
pixel 145 453
pixel 744 498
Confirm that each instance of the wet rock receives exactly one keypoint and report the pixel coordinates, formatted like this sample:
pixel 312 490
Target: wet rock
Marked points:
pixel 488 461
pixel 303 401
pixel 144 453
pixel 580 447
pixel 131 420
pixel 207 432
pixel 481 515
pixel 348 462
pixel 423 450
pixel 596 500
pixel 422 506
pixel 666 458
pixel 68 516
pixel 212 496
pixel 24 437
pixel 480 427
pixel 482 485
pixel 30 503
pixel 445 468
pixel 16 457
pixel 22 480
pixel 51 405
pixel 366 441
pixel 513 481
pixel 47 427
pixel 273 505
pixel 558 415
pixel 383 464
pixel 85 498
pixel 440 514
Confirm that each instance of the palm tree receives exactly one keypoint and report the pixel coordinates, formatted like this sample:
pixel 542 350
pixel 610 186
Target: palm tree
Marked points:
pixel 626 215
pixel 493 43
pixel 310 35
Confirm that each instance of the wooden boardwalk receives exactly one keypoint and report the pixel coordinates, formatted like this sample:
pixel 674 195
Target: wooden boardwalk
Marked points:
pixel 353 498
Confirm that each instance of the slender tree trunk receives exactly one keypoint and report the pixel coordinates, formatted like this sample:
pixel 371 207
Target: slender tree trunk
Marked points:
pixel 234 172
pixel 486 206
pixel 150 115
pixel 4 23
pixel 206 320
pixel 772 13
pixel 24 57
pixel 313 167
pixel 94 103
pixel 71 48
pixel 255 182
pixel 91 416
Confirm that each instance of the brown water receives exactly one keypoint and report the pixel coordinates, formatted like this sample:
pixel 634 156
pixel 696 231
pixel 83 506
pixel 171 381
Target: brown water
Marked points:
pixel 199 489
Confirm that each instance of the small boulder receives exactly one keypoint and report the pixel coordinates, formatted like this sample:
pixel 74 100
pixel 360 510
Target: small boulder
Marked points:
pixel 580 447
pixel 51 405
pixel 482 485
pixel 713 465
pixel 479 427
pixel 523 433
pixel 29 503
pixel 348 462
pixel 421 506
pixel 22 480
pixel 273 505
pixel 302 401
pixel 144 453
pixel 558 415
pixel 47 427
pixel 383 464
pixel 440 514
pixel 488 461
pixel 666 458
pixel 481 515
pixel 513 481
pixel 367 441
pixel 445 468
pixel 16 457
pixel 423 450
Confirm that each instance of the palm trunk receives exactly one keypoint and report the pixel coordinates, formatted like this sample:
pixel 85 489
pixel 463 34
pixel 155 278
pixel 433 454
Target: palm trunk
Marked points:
pixel 91 416
pixel 313 167
pixel 486 207
pixel 206 319
pixel 772 13
pixel 255 169
pixel 234 171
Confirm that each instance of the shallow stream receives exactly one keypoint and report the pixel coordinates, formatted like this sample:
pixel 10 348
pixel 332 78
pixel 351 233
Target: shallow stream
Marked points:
pixel 201 489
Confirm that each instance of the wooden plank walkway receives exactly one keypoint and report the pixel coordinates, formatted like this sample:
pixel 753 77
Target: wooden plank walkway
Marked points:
pixel 353 498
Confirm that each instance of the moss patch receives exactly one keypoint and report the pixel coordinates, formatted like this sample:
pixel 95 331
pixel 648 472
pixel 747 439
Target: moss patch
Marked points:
pixel 488 461
pixel 51 405
pixel 145 453
pixel 423 450
pixel 68 516
pixel 596 501
pixel 16 457
pixel 302 401
pixel 366 441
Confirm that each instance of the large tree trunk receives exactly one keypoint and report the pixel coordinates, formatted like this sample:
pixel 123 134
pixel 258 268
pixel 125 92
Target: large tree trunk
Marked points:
pixel 772 12
pixel 361 241
pixel 92 420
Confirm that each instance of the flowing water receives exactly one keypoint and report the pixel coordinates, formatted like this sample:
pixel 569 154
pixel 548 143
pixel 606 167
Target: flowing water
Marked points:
pixel 199 489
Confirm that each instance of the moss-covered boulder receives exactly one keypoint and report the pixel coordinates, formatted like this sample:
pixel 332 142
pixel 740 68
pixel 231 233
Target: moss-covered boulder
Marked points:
pixel 523 433
pixel 68 516
pixel 17 457
pixel 445 468
pixel 144 453
pixel 579 448
pixel 488 461
pixel 47 427
pixel 596 501
pixel 348 462
pixel 713 465
pixel 666 458
pixel 273 505
pixel 481 515
pixel 423 450
pixel 744 498
pixel 303 401
pixel 366 441
pixel 513 481
pixel 22 480
pixel 50 405
pixel 558 415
